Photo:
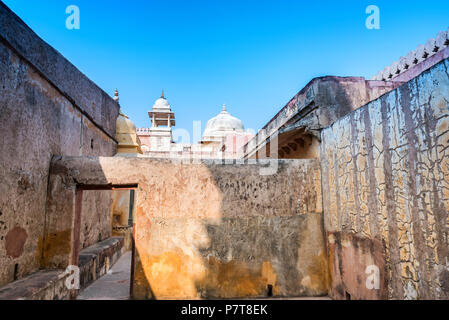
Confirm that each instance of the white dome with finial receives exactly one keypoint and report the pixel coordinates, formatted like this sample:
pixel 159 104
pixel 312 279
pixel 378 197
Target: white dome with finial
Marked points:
pixel 221 125
pixel 161 103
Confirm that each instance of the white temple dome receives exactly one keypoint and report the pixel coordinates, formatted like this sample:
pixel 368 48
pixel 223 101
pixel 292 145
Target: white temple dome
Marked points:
pixel 222 125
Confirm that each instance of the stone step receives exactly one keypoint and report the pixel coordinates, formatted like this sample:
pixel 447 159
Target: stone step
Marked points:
pixel 41 285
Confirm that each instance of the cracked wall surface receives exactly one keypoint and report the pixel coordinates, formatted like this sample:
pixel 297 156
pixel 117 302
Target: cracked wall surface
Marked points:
pixel 385 178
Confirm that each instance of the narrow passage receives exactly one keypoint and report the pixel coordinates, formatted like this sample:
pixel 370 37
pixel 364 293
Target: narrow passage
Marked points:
pixel 112 286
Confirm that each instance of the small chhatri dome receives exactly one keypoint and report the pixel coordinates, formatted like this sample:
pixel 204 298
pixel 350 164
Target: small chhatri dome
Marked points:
pixel 161 103
pixel 221 125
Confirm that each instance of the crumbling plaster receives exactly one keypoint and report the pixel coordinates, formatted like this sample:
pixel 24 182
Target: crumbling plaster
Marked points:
pixel 385 178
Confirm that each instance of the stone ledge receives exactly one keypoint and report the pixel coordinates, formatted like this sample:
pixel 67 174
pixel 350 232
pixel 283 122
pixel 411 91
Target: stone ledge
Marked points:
pixel 96 260
pixel 41 285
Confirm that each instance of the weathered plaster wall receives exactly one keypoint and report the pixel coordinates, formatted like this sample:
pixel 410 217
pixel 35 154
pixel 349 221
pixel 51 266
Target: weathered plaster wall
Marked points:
pixel 207 230
pixel 385 184
pixel 95 219
pixel 120 215
pixel 39 118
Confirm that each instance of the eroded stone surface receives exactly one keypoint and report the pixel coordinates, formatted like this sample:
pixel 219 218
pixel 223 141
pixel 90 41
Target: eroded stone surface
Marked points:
pixel 385 179
pixel 114 285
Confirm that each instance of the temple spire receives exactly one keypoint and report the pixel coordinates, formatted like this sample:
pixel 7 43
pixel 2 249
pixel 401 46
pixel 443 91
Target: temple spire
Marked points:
pixel 224 107
pixel 116 98
pixel 162 94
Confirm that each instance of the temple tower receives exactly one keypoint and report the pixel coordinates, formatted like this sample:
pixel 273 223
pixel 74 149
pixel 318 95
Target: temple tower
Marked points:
pixel 162 119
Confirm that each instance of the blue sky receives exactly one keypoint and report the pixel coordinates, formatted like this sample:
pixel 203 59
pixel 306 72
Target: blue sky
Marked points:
pixel 252 55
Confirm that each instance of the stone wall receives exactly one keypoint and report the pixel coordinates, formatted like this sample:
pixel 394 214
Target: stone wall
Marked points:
pixel 47 108
pixel 385 184
pixel 207 230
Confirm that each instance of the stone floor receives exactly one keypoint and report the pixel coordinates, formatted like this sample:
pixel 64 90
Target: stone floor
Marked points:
pixel 115 284
pixel 112 286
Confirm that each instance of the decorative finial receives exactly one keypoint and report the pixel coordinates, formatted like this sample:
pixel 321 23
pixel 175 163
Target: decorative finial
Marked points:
pixel 162 94
pixel 224 107
pixel 116 98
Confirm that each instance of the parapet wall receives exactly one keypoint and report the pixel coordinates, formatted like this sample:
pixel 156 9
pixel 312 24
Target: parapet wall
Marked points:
pixel 385 184
pixel 47 108
pixel 407 67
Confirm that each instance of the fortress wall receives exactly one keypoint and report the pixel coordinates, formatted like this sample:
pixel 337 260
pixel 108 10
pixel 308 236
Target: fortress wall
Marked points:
pixel 47 108
pixel 385 171
pixel 209 230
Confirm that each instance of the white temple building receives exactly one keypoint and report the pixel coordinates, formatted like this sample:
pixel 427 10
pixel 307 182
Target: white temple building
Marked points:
pixel 223 138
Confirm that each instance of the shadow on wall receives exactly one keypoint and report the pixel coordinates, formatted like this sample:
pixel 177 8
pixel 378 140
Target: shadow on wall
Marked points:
pixel 212 231
pixel 169 232
pixel 265 244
